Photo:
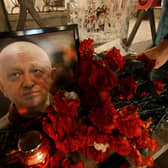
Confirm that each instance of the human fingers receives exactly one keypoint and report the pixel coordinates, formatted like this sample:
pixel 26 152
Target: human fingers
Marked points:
pixel 160 61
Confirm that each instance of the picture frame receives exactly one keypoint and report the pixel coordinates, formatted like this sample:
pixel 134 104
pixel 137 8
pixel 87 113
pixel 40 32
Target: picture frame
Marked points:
pixel 60 43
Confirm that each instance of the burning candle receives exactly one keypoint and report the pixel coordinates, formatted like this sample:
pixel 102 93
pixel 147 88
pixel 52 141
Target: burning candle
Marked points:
pixel 33 150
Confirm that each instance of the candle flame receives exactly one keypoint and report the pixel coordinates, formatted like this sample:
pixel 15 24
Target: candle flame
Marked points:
pixel 40 156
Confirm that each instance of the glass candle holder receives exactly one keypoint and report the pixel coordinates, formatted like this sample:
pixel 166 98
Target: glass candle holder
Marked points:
pixel 33 149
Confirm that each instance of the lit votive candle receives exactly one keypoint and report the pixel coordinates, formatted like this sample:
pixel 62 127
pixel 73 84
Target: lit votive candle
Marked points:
pixel 33 150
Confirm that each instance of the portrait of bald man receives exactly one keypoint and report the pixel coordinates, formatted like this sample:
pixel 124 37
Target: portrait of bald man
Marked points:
pixel 26 75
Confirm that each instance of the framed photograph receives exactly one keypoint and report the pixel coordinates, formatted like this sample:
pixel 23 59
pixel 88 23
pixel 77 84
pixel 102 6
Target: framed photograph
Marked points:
pixel 59 44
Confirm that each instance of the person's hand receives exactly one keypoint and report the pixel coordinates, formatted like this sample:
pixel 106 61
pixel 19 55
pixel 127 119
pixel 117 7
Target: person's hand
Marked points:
pixel 159 53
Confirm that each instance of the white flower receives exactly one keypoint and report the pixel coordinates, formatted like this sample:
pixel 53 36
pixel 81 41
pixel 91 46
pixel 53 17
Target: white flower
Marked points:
pixel 71 95
pixel 99 146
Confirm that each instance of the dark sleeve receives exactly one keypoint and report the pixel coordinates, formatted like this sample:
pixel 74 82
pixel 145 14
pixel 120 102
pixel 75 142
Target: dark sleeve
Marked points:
pixel 166 37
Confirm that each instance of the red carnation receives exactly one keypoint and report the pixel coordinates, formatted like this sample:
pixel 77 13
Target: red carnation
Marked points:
pixel 158 85
pixel 121 146
pixel 102 78
pixel 142 141
pixel 49 128
pixel 62 146
pixel 141 160
pixel 114 59
pixel 127 88
pixel 74 143
pixel 131 126
pixel 64 106
pixel 94 74
pixel 148 161
pixel 152 144
pixel 104 118
pixel 85 49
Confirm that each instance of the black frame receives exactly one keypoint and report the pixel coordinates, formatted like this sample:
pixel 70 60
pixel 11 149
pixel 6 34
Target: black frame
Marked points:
pixel 14 36
pixel 28 32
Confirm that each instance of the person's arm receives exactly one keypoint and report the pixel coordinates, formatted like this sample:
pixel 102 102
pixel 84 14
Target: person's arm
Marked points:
pixel 158 53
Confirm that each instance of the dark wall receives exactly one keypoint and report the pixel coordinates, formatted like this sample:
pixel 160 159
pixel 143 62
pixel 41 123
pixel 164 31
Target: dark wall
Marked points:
pixel 4 104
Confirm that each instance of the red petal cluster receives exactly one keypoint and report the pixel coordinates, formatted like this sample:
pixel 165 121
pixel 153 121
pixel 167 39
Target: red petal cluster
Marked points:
pixel 121 146
pixel 95 81
pixel 85 49
pixel 140 159
pixel 158 85
pixel 127 87
pixel 114 59
pixel 104 118
pixel 94 74
pixel 131 126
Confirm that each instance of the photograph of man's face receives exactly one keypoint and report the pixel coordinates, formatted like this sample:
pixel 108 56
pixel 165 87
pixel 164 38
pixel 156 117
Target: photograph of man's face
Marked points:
pixel 34 67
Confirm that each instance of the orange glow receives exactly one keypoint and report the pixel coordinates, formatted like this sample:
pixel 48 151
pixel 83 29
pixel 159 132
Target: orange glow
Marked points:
pixel 22 111
pixel 37 158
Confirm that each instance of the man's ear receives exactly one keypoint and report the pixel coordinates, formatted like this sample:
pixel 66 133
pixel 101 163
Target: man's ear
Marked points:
pixel 53 72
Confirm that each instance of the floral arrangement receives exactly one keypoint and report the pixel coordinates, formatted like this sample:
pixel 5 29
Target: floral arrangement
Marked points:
pixel 106 112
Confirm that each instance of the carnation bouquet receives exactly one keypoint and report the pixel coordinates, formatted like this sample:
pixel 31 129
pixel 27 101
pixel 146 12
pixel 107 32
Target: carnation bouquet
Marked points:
pixel 115 106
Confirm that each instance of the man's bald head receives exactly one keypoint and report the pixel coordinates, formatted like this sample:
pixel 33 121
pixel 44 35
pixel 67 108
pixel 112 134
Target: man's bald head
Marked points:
pixel 21 49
